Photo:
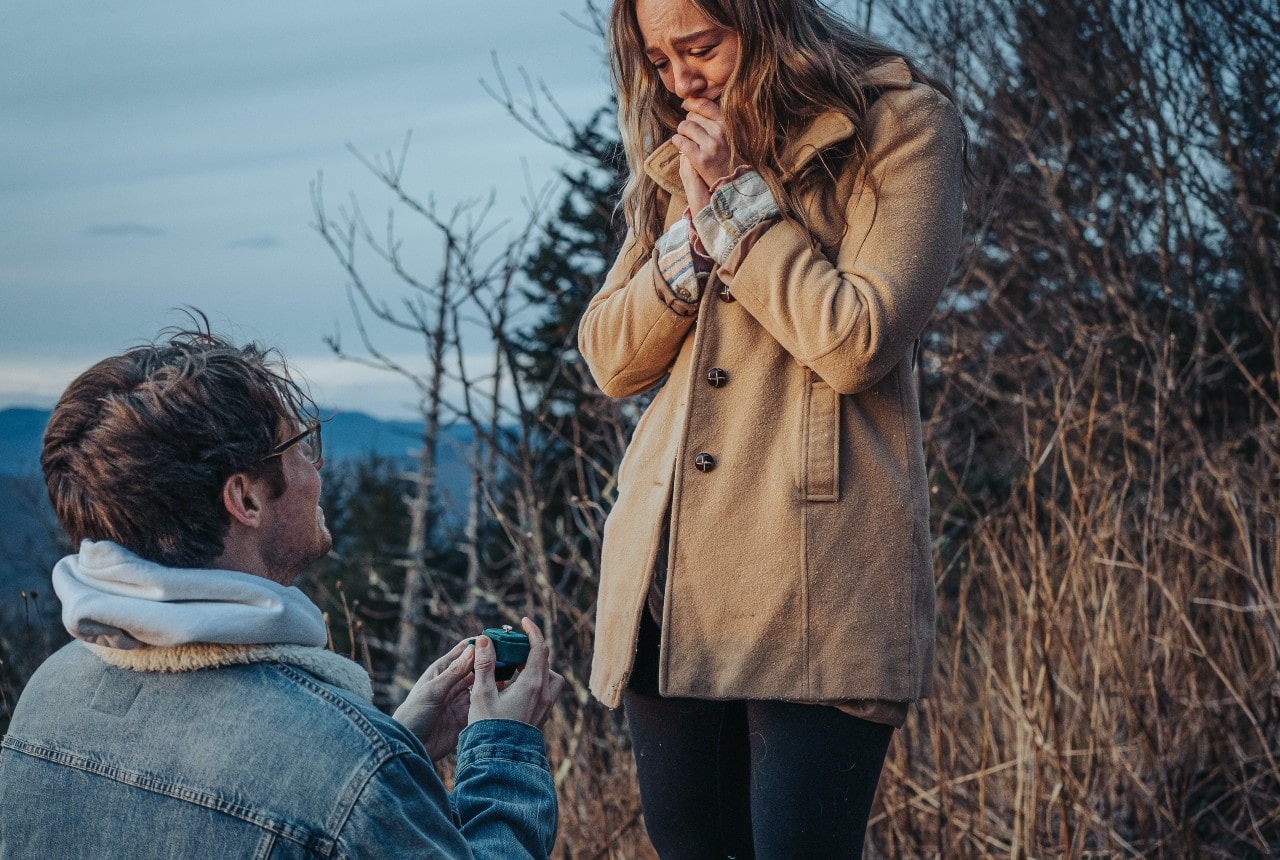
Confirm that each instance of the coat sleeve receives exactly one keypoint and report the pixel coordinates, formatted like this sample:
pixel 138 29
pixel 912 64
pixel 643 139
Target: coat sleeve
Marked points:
pixel 854 320
pixel 629 335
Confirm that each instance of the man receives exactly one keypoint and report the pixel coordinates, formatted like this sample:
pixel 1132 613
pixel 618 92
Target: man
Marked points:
pixel 197 713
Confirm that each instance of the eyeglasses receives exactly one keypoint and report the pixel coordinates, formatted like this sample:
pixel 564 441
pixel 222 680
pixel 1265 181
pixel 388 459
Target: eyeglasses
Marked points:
pixel 308 442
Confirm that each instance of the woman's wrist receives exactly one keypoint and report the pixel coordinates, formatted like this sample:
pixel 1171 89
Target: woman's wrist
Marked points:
pixel 678 268
pixel 740 170
pixel 738 205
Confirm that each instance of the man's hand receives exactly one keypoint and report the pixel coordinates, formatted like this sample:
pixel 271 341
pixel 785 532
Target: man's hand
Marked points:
pixel 436 708
pixel 529 697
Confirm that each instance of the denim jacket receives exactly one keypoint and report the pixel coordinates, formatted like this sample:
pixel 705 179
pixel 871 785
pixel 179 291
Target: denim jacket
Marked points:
pixel 260 755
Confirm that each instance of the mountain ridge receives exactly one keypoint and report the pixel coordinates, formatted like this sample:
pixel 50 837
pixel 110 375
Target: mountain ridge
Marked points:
pixel 347 435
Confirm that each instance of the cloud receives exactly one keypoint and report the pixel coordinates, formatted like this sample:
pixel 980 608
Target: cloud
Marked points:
pixel 124 228
pixel 341 384
pixel 266 240
pixel 36 382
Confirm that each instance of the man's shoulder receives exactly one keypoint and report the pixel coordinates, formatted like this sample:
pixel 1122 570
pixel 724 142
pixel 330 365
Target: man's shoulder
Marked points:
pixel 277 703
pixel 270 736
pixel 66 673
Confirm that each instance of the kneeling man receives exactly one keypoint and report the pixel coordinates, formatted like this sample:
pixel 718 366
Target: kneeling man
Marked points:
pixel 198 714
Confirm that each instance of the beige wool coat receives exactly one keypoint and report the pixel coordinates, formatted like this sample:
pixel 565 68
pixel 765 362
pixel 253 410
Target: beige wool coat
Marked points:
pixel 799 565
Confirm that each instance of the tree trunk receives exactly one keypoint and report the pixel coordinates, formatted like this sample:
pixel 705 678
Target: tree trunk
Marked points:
pixel 422 509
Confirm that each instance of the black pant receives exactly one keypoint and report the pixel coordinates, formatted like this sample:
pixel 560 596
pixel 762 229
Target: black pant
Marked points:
pixel 749 779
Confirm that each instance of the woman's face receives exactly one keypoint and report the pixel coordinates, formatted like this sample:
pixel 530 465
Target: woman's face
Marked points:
pixel 694 56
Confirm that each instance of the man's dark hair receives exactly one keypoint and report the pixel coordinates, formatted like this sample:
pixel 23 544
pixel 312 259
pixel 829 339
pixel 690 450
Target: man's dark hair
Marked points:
pixel 140 445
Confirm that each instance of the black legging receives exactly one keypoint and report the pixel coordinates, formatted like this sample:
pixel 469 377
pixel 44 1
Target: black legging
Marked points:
pixel 749 778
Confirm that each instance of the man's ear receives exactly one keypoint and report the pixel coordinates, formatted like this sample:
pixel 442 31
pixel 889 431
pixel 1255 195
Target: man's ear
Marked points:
pixel 243 498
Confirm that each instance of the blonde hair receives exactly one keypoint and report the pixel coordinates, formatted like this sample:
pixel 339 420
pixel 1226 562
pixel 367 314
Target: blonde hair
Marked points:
pixel 796 60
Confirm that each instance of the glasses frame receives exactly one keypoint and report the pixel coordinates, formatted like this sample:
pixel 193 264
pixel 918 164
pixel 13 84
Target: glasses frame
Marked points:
pixel 312 428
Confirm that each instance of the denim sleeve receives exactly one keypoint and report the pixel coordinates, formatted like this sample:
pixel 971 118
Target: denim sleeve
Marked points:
pixel 402 811
pixel 503 791
pixel 503 794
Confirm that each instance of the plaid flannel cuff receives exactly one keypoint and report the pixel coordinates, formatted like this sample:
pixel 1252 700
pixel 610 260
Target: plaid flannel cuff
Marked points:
pixel 676 263
pixel 736 208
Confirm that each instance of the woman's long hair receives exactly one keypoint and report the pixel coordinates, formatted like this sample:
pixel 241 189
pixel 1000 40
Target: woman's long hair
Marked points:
pixel 796 60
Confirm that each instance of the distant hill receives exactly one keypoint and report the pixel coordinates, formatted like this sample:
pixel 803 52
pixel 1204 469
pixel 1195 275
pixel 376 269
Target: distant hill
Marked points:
pixel 28 532
pixel 20 432
pixel 29 545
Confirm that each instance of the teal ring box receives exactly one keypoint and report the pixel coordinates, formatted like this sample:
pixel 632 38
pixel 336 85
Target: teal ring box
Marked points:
pixel 513 650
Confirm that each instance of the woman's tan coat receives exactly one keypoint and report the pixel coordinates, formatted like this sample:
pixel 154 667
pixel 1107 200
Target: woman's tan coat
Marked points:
pixel 800 565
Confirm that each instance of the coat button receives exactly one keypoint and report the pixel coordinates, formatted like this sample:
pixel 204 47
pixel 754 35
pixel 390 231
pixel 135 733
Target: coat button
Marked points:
pixel 684 294
pixel 717 377
pixel 704 462
pixel 725 295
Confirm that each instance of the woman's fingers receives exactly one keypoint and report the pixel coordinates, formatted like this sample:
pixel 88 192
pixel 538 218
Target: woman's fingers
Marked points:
pixel 704 142
pixel 708 136
pixel 696 191
pixel 702 131
pixel 704 107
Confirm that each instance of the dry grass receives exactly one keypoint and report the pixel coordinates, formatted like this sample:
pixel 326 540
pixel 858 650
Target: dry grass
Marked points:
pixel 1108 655
pixel 1109 640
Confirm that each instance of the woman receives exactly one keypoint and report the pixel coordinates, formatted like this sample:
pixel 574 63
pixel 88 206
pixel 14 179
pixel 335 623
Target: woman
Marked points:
pixel 766 598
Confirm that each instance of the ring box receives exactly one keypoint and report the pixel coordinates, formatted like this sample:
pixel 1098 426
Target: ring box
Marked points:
pixel 512 648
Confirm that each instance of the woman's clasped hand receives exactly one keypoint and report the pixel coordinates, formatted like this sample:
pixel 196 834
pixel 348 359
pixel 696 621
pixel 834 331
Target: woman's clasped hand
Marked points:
pixel 706 156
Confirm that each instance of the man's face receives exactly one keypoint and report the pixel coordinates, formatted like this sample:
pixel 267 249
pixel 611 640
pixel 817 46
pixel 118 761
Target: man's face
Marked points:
pixel 296 534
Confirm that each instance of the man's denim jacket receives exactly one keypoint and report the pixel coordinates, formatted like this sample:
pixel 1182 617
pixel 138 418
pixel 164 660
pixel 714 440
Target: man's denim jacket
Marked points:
pixel 263 759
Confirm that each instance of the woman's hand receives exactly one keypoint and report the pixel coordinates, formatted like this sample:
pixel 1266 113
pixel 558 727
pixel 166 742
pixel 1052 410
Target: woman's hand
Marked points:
pixel 436 708
pixel 529 697
pixel 696 190
pixel 703 141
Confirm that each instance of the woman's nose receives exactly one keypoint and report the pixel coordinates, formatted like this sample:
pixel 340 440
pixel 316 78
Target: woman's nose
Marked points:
pixel 686 81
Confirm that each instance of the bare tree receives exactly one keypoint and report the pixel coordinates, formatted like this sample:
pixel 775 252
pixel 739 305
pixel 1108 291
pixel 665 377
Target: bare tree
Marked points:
pixel 1102 393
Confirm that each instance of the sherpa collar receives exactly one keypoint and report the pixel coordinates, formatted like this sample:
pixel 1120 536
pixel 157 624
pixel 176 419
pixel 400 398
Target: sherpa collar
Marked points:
pixel 327 666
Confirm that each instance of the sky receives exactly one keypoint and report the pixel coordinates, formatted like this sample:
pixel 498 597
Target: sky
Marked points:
pixel 160 153
pixel 156 154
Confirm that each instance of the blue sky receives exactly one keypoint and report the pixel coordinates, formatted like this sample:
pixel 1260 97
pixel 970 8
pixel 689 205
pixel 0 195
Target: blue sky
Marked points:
pixel 159 153
pixel 155 154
